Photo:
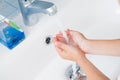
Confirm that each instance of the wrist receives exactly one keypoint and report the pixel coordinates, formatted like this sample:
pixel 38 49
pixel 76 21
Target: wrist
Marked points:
pixel 85 45
pixel 81 59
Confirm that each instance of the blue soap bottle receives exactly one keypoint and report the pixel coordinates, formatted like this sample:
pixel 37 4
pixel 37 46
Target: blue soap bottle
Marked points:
pixel 10 33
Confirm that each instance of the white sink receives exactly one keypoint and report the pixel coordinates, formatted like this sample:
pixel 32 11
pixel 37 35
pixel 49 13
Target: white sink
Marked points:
pixel 34 60
pixel 97 20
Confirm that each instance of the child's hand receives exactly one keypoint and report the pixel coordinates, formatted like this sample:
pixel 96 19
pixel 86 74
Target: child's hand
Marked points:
pixel 78 39
pixel 67 50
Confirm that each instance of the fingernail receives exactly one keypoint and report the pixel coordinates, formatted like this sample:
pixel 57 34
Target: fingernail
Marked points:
pixel 68 29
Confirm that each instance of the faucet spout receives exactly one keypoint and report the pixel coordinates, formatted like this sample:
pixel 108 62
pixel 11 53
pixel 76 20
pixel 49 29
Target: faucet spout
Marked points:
pixel 29 7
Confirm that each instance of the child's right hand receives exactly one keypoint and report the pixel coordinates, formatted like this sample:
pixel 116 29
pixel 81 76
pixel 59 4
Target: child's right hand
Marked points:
pixel 78 38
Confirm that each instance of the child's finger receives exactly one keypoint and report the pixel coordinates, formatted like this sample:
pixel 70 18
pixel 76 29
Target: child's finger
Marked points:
pixel 62 39
pixel 63 46
pixel 59 35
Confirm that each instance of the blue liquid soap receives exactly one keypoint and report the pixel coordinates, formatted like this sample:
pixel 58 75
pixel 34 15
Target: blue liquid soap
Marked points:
pixel 12 36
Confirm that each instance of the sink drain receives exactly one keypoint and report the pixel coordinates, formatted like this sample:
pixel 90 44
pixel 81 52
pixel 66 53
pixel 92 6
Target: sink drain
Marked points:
pixel 48 40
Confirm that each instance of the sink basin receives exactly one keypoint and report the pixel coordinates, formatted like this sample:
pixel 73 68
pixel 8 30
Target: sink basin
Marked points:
pixel 33 59
pixel 56 69
pixel 95 22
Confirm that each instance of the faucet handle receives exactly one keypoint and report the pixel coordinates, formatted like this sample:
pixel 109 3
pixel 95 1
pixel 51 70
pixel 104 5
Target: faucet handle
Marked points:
pixel 75 73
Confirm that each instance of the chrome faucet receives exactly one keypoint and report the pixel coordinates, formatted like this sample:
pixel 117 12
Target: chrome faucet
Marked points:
pixel 29 7
pixel 74 72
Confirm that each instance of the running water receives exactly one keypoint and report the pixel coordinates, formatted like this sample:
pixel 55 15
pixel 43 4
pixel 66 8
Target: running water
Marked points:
pixel 74 69
pixel 62 28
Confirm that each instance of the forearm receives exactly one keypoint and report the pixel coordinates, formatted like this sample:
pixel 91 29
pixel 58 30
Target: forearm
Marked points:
pixel 103 47
pixel 90 70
